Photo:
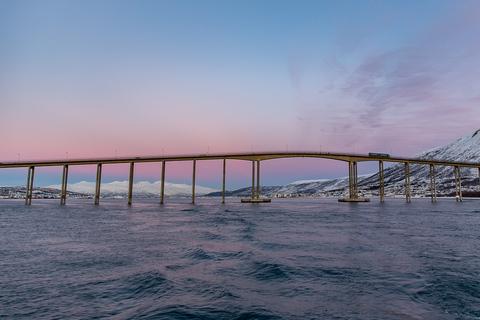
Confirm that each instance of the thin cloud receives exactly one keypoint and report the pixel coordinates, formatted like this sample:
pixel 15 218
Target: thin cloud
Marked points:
pixel 425 76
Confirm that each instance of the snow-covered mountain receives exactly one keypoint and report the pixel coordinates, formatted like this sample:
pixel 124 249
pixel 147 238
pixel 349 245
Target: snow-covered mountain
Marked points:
pixel 314 186
pixel 140 189
pixel 464 149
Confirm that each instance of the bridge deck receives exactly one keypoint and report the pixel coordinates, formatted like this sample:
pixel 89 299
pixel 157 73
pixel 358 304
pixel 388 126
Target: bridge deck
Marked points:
pixel 238 156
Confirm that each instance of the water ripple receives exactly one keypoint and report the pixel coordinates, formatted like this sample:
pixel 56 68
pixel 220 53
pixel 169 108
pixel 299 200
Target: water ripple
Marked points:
pixel 289 259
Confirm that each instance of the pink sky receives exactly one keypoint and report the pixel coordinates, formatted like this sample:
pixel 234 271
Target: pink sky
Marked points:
pixel 150 78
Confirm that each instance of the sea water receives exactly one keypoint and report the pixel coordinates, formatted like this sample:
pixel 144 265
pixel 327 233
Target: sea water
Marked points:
pixel 288 259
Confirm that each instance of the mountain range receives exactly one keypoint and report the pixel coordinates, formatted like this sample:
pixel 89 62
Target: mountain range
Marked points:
pixel 140 189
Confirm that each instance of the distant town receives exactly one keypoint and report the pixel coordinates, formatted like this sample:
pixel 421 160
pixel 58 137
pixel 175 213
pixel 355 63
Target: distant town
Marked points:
pixel 38 193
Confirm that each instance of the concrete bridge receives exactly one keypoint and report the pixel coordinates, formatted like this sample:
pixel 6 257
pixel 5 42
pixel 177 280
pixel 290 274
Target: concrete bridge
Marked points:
pixel 255 158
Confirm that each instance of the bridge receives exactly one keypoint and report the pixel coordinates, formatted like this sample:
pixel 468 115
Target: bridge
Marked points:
pixel 255 158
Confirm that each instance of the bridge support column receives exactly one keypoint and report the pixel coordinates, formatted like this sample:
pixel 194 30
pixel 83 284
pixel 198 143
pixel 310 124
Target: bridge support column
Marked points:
pixel 63 195
pixel 408 195
pixel 98 182
pixel 130 183
pixel 29 187
pixel 258 179
pixel 193 181
pixel 458 184
pixel 433 183
pixel 256 192
pixel 382 181
pixel 353 179
pixel 353 184
pixel 224 170
pixel 162 188
pixel 253 179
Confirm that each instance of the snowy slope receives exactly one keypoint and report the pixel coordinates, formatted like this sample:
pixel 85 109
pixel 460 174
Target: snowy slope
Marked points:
pixel 314 186
pixel 140 189
pixel 464 149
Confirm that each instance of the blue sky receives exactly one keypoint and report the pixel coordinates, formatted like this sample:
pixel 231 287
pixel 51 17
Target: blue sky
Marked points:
pixel 128 78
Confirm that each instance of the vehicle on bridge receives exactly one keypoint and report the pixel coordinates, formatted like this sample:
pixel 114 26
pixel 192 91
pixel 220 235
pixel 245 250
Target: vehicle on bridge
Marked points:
pixel 379 155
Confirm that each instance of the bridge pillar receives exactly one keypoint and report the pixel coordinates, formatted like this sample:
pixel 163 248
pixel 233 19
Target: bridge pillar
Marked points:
pixel 29 187
pixel 433 183
pixel 408 195
pixel 193 181
pixel 162 188
pixel 63 195
pixel 98 182
pixel 130 183
pixel 353 185
pixel 458 184
pixel 382 181
pixel 253 179
pixel 258 179
pixel 256 192
pixel 224 170
pixel 353 179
